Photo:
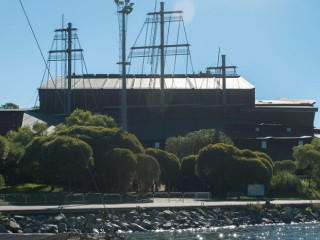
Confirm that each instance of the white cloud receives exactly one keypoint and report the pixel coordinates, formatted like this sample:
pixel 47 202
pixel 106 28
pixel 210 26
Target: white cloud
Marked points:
pixel 187 6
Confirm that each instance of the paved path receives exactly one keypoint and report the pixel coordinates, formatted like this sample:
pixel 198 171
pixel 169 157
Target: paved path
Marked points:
pixel 157 204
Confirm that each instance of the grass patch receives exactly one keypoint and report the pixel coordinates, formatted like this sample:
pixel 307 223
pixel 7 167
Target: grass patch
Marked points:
pixel 30 188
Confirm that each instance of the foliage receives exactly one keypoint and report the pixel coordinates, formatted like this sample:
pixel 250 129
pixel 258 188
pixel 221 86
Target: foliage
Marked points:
pixel 2 181
pixel 66 159
pixel 308 158
pixel 285 166
pixel 254 207
pixel 169 166
pixel 85 118
pixel 120 164
pixel 191 143
pixel 189 179
pixel 22 137
pixel 9 105
pixel 29 188
pixel 40 128
pixel 223 167
pixel 285 184
pixel 4 148
pixel 147 172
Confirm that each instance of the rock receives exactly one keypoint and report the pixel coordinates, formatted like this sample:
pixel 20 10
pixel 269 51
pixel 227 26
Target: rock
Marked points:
pixel 287 217
pixel 167 225
pixel 95 231
pixel 184 213
pixel 147 225
pixel 13 226
pixel 59 218
pixel 136 228
pixel 18 217
pixel 91 218
pixel 266 220
pixel 62 227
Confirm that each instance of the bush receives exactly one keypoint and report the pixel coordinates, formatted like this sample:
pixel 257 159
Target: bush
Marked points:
pixel 2 181
pixel 285 184
pixel 285 166
pixel 254 207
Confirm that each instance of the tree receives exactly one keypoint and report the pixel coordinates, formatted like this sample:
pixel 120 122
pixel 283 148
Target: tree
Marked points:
pixel 191 143
pixel 65 159
pixel 103 141
pixel 4 148
pixel 40 128
pixel 9 105
pixel 223 167
pixel 22 137
pixel 169 166
pixel 147 172
pixel 85 118
pixel 120 164
pixel 285 166
pixel 308 158
pixel 189 179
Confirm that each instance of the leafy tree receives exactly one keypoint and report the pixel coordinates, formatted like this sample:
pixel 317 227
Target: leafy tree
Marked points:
pixel 121 163
pixel 22 137
pixel 4 148
pixel 103 141
pixel 9 105
pixel 147 172
pixel 31 159
pixel 65 159
pixel 308 158
pixel 223 167
pixel 40 128
pixel 85 118
pixel 189 179
pixel 191 143
pixel 285 166
pixel 169 166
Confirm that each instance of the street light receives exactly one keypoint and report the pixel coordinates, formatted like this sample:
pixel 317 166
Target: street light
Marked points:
pixel 124 8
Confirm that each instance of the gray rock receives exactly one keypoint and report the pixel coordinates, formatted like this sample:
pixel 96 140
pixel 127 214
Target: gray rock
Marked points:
pixel 266 220
pixel 287 217
pixel 95 231
pixel 18 217
pixel 62 227
pixel 147 224
pixel 136 228
pixel 167 225
pixel 59 218
pixel 13 226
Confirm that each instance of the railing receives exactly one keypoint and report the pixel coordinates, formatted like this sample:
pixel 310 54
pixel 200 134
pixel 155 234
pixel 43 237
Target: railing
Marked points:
pixel 100 198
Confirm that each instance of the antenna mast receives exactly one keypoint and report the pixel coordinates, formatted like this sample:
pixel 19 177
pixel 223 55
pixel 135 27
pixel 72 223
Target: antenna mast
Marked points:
pixel 124 9
pixel 162 47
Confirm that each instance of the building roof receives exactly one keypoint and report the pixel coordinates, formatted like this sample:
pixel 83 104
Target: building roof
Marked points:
pixel 285 102
pixel 147 82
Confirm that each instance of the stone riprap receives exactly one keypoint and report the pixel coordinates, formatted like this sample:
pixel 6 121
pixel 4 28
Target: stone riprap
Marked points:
pixel 140 220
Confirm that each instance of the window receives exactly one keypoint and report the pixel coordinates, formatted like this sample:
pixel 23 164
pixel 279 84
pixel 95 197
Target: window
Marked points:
pixel 264 144
pixel 288 130
pixel 257 129
pixel 157 145
pixel 300 142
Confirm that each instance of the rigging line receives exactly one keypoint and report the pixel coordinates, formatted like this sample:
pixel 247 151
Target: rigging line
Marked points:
pixel 86 69
pixel 35 38
pixel 218 58
pixel 185 33
pixel 175 56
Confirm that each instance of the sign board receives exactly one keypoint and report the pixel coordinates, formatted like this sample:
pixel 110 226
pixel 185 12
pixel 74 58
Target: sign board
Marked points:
pixel 256 190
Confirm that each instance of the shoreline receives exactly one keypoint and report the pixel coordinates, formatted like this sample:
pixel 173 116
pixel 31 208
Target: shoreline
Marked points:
pixel 111 222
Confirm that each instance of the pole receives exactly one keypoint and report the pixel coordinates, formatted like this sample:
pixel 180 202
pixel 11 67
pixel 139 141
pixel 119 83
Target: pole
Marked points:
pixel 124 80
pixel 224 87
pixel 162 53
pixel 69 51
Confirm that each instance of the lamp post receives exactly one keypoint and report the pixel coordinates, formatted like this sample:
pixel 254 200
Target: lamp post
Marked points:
pixel 124 8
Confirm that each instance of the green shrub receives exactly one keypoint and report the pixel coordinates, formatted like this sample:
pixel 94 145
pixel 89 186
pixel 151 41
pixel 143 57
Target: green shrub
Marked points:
pixel 254 207
pixel 285 184
pixel 2 181
pixel 285 166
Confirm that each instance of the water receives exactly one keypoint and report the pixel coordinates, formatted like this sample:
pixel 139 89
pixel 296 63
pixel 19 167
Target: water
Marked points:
pixel 305 231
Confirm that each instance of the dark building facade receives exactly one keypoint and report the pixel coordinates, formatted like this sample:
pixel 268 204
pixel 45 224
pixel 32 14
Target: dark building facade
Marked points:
pixel 191 103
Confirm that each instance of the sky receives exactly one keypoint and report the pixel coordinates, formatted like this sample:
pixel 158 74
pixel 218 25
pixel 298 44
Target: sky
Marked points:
pixel 274 43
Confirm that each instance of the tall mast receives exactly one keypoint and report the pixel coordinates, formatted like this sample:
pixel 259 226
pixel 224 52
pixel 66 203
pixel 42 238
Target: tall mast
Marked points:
pixel 69 51
pixel 162 52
